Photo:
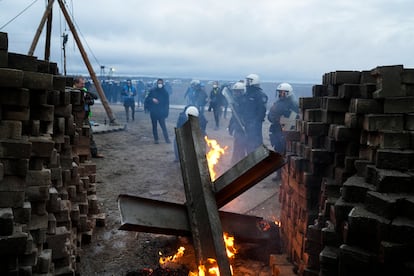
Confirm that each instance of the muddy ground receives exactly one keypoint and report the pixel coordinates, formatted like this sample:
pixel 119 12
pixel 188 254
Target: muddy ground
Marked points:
pixel 133 164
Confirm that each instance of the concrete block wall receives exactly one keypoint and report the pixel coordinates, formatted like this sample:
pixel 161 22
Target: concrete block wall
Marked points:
pixel 348 189
pixel 48 204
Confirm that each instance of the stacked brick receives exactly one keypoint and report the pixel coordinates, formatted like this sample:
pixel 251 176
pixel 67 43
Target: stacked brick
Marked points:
pixel 48 204
pixel 347 193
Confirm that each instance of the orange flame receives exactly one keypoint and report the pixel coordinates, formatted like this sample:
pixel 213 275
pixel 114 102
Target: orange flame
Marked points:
pixel 229 241
pixel 172 259
pixel 213 269
pixel 213 155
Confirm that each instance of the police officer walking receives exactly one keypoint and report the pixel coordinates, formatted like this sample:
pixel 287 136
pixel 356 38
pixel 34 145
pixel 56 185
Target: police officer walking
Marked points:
pixel 254 112
pixel 282 116
pixel 236 126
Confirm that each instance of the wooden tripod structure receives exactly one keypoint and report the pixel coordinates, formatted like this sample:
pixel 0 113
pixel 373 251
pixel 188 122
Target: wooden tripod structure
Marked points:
pixel 47 16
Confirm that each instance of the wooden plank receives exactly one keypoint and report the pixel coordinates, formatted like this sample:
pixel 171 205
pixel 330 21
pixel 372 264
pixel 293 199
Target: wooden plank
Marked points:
pixel 153 216
pixel 201 205
pixel 245 174
pixel 168 218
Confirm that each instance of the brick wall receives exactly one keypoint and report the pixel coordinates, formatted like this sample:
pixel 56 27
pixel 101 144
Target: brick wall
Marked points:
pixel 347 192
pixel 48 203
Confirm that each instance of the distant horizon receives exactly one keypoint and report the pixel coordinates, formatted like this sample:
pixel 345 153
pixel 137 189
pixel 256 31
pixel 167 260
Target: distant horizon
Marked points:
pixel 149 77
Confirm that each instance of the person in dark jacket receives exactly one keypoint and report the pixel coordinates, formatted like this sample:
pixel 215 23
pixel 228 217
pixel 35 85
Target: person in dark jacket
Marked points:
pixel 253 112
pixel 190 92
pixel 282 116
pixel 157 103
pixel 183 117
pixel 89 100
pixel 200 97
pixel 128 96
pixel 216 103
pixel 236 127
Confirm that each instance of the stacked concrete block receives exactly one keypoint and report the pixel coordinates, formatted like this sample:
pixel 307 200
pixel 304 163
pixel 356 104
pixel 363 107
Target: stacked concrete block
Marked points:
pixel 353 147
pixel 43 193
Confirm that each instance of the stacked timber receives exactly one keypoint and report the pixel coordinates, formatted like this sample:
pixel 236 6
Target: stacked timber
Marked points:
pixel 347 193
pixel 48 204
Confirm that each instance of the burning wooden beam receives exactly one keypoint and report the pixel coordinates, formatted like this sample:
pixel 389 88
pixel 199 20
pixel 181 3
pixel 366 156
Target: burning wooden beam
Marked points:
pixel 200 216
pixel 161 217
pixel 245 174
pixel 201 206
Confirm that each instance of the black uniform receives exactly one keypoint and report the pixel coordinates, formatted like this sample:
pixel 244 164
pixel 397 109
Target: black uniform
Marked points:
pixel 253 114
pixel 216 104
pixel 282 107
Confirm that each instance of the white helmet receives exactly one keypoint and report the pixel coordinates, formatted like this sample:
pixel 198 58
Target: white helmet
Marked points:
pixel 191 110
pixel 195 82
pixel 252 79
pixel 239 86
pixel 285 87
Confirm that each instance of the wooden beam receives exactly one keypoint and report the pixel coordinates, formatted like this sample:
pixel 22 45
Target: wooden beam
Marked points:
pixel 87 63
pixel 40 28
pixel 48 33
pixel 160 217
pixel 246 173
pixel 201 205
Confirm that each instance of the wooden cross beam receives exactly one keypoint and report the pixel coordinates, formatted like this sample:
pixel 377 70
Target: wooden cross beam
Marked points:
pixel 160 217
pixel 200 216
pixel 201 205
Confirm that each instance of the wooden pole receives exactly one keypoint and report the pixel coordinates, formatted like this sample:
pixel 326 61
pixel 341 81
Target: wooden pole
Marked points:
pixel 48 33
pixel 40 28
pixel 64 54
pixel 88 64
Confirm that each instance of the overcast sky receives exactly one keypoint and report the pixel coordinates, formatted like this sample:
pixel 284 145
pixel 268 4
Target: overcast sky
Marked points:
pixel 280 40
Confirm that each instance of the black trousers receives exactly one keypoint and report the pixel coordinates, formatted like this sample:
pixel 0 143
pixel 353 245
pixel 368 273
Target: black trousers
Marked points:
pixel 127 106
pixel 155 120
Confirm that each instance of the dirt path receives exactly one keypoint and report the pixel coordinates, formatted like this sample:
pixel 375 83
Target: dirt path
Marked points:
pixel 133 164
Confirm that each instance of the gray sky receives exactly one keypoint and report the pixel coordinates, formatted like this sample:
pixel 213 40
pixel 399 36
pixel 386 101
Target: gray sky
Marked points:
pixel 279 40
